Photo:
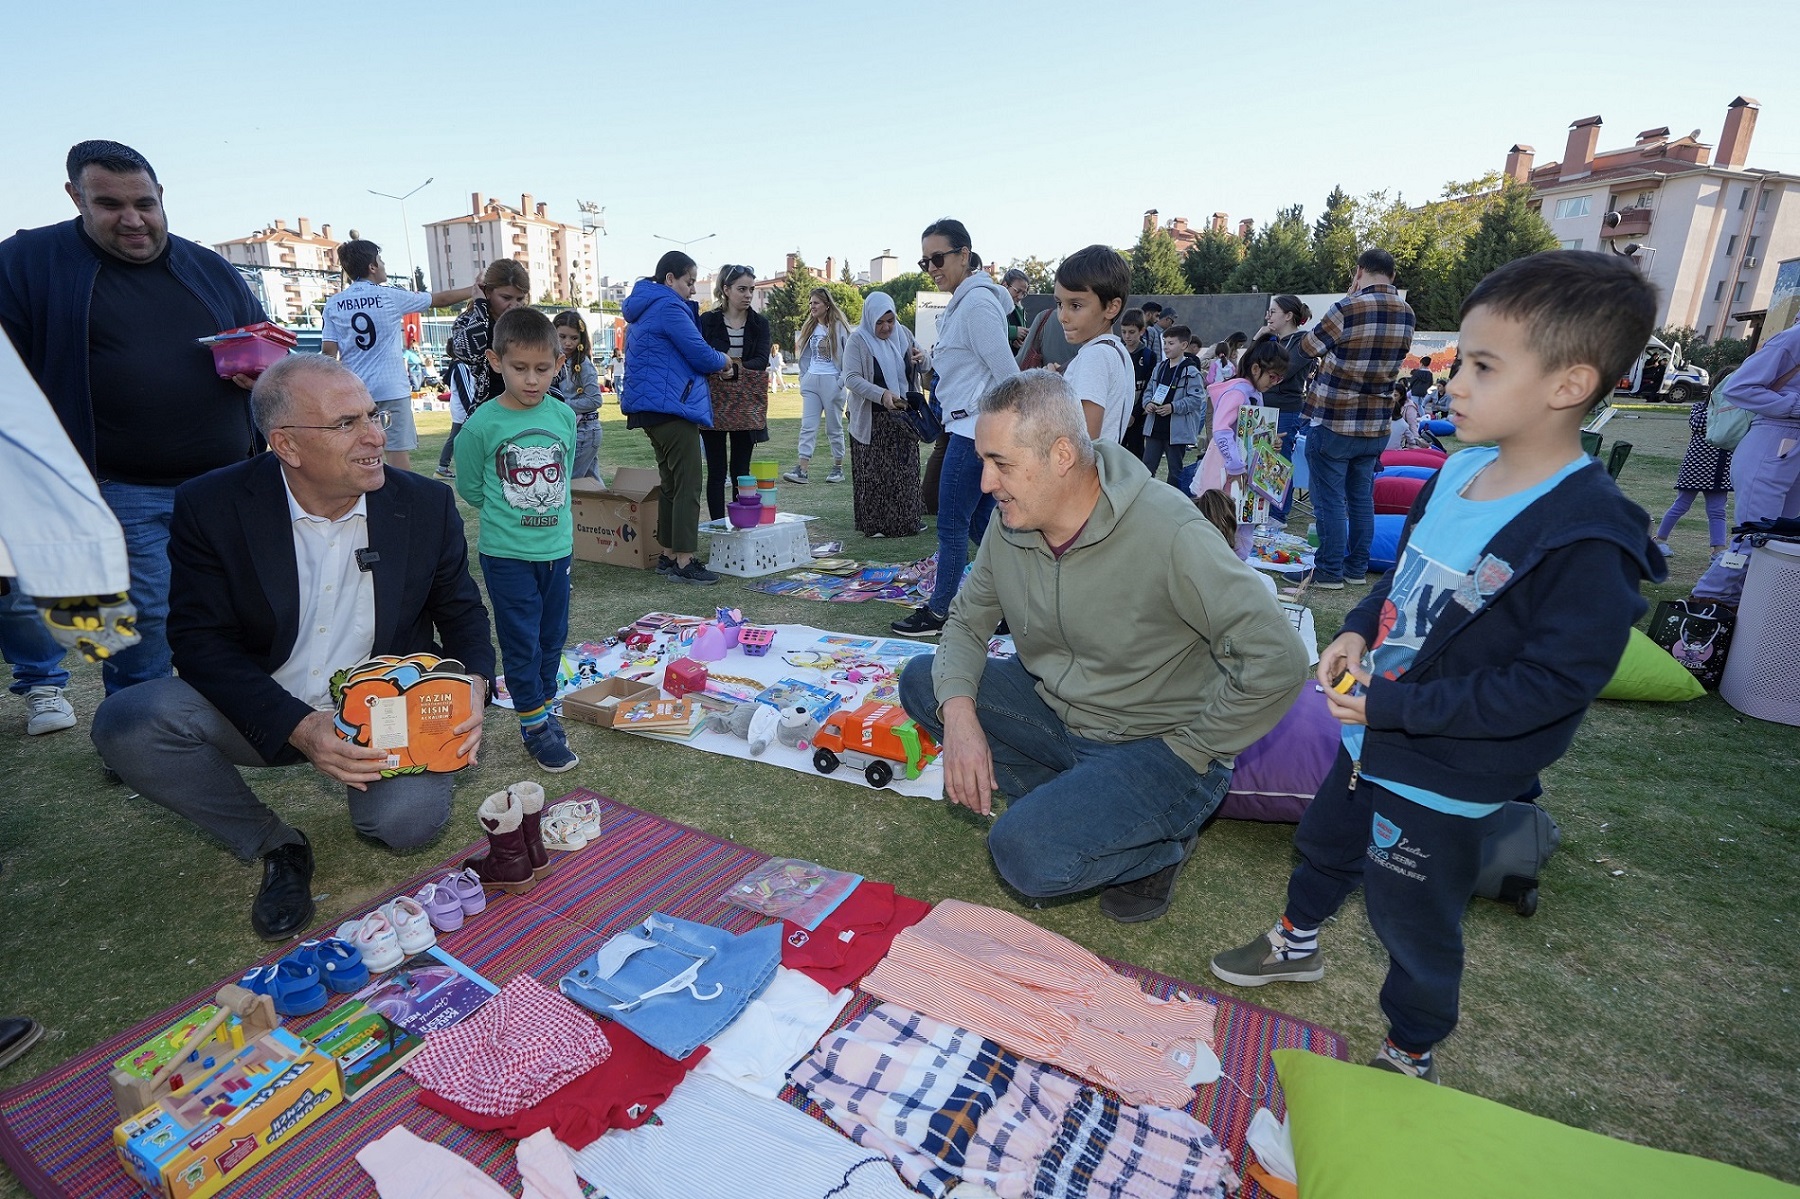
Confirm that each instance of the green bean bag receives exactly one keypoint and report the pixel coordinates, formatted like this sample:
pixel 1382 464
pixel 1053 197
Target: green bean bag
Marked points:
pixel 1360 1132
pixel 1647 672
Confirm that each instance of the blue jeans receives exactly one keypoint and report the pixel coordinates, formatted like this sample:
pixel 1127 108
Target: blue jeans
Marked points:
pixel 27 645
pixel 530 603
pixel 1343 500
pixel 1417 868
pixel 1287 425
pixel 962 517
pixel 144 513
pixel 1156 450
pixel 1080 814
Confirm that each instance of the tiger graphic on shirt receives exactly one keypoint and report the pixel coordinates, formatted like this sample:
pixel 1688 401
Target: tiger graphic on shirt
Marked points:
pixel 534 479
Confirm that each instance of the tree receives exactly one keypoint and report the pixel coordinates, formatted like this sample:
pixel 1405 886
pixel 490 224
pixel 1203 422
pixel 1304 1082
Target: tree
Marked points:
pixel 1279 258
pixel 1725 354
pixel 847 297
pixel 1156 266
pixel 1208 264
pixel 1040 273
pixel 1509 229
pixel 846 275
pixel 904 291
pixel 787 306
pixel 1334 242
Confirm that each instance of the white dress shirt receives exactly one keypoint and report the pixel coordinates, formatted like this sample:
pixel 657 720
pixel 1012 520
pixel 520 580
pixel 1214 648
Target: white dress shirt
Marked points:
pixel 337 600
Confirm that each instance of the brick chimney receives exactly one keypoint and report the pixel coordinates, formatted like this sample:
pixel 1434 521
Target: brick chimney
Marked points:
pixel 1220 221
pixel 830 268
pixel 325 232
pixel 1518 163
pixel 280 224
pixel 1150 220
pixel 543 210
pixel 1652 136
pixel 1246 228
pixel 793 259
pixel 477 202
pixel 1578 156
pixel 305 226
pixel 525 204
pixel 1178 226
pixel 1734 142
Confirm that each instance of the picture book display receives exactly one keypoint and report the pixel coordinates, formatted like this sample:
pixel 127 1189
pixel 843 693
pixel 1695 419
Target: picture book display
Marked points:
pixel 426 992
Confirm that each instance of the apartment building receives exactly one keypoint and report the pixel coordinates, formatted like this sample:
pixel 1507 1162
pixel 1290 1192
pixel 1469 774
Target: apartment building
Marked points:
pixel 292 271
pixel 1703 225
pixel 562 258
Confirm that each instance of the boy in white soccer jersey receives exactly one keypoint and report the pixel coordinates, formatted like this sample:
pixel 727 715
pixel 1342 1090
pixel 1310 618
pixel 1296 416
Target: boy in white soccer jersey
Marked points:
pixel 363 326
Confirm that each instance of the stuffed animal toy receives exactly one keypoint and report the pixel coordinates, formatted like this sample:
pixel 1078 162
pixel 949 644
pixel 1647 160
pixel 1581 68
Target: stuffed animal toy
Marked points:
pixel 796 727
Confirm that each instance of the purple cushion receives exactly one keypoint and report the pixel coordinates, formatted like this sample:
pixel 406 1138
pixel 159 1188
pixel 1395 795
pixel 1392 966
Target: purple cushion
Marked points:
pixel 1277 777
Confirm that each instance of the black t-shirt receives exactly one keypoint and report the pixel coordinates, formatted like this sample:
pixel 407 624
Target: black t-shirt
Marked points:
pixel 1289 394
pixel 161 414
pixel 1422 379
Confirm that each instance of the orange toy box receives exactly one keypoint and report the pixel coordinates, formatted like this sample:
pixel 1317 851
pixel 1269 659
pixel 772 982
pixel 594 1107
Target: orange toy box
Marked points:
pixel 408 707
pixel 191 1142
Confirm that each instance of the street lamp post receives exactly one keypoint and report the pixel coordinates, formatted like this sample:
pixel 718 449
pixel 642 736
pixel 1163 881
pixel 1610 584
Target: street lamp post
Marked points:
pixel 405 229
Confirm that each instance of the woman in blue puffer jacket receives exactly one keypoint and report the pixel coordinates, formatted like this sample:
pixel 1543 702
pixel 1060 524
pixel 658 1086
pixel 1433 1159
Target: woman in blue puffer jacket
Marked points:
pixel 667 363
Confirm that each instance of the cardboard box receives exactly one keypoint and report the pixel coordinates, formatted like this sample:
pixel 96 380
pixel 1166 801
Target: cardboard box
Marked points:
pixel 617 524
pixel 599 702
pixel 189 1144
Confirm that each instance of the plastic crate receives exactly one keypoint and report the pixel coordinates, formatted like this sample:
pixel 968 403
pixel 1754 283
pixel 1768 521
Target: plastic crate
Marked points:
pixel 759 550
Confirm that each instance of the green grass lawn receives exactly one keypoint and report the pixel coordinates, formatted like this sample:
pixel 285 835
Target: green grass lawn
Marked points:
pixel 1650 998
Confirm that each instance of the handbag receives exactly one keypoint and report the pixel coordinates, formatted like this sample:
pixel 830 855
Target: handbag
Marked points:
pixel 1726 423
pixel 1697 634
pixel 922 414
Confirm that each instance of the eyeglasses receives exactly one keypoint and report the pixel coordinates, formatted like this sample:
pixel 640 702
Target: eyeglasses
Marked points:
pixel 350 424
pixel 525 476
pixel 932 262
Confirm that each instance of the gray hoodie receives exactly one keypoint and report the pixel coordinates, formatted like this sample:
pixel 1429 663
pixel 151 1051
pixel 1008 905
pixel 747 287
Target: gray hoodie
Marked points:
pixel 972 352
pixel 1148 626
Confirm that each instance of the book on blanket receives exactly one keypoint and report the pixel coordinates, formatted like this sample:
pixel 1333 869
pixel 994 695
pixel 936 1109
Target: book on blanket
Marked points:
pixel 676 717
pixel 366 1045
pixel 428 991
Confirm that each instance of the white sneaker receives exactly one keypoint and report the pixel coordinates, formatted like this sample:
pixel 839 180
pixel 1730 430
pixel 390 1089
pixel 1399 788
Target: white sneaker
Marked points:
pixel 375 939
pixel 46 711
pixel 412 925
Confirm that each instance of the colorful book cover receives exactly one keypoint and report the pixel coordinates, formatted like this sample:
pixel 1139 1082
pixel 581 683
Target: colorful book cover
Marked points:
pixel 656 716
pixel 428 991
pixel 365 1044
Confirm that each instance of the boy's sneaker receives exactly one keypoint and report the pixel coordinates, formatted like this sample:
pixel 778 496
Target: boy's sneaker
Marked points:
pixel 797 475
pixel 549 748
pixel 1146 898
pixel 837 473
pixel 694 573
pixel 1261 962
pixel 1319 584
pixel 1398 1061
pixel 46 711
pixel 1356 580
pixel 664 564
pixel 445 472
pixel 922 623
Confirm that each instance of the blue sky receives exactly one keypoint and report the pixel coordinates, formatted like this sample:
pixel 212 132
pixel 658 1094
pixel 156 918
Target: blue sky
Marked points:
pixel 844 129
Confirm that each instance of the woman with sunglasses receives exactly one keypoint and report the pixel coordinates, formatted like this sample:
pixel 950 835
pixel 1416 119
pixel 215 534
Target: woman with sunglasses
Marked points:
pixel 972 354
pixel 741 403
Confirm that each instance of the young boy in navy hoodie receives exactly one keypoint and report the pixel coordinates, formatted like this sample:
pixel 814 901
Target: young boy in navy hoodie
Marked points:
pixel 1475 659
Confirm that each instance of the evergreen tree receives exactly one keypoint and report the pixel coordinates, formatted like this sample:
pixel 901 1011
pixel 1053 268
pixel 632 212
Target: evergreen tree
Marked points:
pixel 1208 264
pixel 1279 258
pixel 847 297
pixel 1509 229
pixel 846 275
pixel 787 306
pixel 1334 242
pixel 1156 266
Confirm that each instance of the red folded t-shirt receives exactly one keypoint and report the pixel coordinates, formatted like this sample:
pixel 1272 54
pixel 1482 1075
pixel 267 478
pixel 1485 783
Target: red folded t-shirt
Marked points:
pixel 621 1092
pixel 872 916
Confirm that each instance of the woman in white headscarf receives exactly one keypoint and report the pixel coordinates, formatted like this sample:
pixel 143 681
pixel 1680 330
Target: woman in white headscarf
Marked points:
pixel 884 453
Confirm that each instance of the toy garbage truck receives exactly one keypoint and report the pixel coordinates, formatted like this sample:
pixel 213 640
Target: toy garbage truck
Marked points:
pixel 877 739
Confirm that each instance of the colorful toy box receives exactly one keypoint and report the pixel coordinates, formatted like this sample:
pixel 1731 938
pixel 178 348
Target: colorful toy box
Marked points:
pixel 755 641
pixel 684 676
pixel 133 1075
pixel 191 1142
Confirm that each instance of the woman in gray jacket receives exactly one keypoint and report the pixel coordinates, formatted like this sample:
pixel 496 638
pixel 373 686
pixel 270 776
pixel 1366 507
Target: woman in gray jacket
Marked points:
pixel 884 453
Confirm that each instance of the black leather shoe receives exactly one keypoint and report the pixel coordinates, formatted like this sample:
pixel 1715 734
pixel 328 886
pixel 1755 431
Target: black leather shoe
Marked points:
pixel 17 1034
pixel 284 903
pixel 1146 898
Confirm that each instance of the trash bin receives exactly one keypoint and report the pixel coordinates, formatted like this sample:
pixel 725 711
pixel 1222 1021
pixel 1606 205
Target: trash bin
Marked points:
pixel 1762 673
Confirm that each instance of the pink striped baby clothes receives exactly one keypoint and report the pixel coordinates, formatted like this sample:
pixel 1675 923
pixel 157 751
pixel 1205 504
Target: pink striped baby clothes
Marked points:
pixel 1046 998
pixel 512 1051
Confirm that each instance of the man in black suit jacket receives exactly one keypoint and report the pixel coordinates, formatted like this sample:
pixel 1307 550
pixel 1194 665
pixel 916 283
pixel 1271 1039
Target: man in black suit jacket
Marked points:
pixel 285 569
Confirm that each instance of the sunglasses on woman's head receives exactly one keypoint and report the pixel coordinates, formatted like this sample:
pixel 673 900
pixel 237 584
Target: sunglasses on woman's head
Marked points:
pixel 932 262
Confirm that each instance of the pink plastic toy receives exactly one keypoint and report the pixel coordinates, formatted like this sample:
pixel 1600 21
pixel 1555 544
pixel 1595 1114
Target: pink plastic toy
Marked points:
pixel 754 641
pixel 709 643
pixel 250 350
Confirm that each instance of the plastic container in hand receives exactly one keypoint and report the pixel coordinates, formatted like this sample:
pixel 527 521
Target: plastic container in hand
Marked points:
pixel 250 350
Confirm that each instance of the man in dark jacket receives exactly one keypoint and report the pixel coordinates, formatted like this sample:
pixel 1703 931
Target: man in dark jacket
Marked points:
pixel 286 569
pixel 105 310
